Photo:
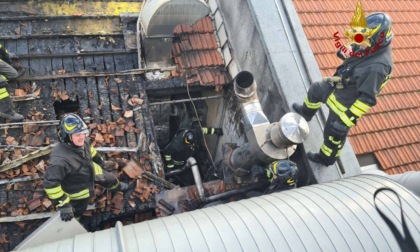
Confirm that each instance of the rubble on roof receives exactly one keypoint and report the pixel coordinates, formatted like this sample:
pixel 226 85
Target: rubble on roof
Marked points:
pixel 94 77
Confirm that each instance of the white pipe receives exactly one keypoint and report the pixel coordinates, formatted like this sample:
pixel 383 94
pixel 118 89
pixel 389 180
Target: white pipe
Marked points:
pixel 191 162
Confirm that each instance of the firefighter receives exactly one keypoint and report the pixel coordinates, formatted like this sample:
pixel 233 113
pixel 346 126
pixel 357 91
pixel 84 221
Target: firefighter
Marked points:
pixel 184 144
pixel 7 72
pixel 282 175
pixel 74 168
pixel 363 74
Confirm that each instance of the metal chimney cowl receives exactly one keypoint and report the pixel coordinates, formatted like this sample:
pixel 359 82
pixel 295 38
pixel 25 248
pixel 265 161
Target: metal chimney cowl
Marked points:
pixel 158 18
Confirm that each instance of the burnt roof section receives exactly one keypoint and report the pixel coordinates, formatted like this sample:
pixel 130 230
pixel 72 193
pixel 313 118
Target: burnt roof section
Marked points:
pixel 391 129
pixel 90 72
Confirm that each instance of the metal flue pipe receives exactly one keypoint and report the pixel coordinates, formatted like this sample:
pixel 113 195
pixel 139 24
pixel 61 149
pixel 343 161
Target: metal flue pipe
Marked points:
pixel 266 141
pixel 191 162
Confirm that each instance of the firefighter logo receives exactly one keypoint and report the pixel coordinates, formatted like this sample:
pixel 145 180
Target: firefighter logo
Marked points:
pixel 359 33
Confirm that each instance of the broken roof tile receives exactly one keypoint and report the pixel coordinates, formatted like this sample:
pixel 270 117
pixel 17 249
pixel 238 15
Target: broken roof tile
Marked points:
pixel 201 52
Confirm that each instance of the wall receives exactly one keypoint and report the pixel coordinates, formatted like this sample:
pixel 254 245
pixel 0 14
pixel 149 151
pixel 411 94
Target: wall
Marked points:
pixel 265 37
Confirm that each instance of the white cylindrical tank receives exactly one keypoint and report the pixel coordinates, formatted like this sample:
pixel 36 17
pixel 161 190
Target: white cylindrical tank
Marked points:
pixel 334 216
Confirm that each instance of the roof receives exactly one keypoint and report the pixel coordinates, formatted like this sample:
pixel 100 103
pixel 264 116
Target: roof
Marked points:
pixel 391 129
pixel 196 54
pixel 94 73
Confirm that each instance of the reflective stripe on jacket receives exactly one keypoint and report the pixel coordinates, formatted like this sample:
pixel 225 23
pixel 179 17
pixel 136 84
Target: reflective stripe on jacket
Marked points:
pixel 368 75
pixel 70 173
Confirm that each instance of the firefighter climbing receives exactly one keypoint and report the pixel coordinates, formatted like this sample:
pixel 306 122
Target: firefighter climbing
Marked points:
pixel 365 71
pixel 184 144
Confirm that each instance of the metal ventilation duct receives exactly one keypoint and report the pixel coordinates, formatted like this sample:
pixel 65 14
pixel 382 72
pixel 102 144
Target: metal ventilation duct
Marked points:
pixel 266 141
pixel 158 18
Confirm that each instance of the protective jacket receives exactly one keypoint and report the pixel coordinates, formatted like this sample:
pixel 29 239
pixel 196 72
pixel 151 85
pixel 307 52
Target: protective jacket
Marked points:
pixel 361 81
pixel 179 149
pixel 4 55
pixel 6 72
pixel 72 173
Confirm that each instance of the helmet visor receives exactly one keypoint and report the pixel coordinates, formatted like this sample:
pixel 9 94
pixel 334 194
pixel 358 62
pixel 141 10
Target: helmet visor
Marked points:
pixel 80 133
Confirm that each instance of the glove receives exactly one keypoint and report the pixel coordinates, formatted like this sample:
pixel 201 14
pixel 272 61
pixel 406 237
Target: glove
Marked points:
pixel 123 187
pixel 338 129
pixel 218 131
pixel 66 212
pixel 7 59
pixel 13 55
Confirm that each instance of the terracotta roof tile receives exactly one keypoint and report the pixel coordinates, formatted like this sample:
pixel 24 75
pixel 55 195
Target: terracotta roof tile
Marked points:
pixel 385 139
pixel 397 101
pixel 204 41
pixel 387 120
pixel 402 155
pixel 196 53
pixel 399 84
pixel 177 30
pixel 404 168
pixel 186 29
pixel 204 25
pixel 389 130
pixel 209 25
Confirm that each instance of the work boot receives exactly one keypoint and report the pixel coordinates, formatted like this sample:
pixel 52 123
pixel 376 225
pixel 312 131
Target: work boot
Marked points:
pixel 123 187
pixel 316 157
pixel 299 109
pixel 12 116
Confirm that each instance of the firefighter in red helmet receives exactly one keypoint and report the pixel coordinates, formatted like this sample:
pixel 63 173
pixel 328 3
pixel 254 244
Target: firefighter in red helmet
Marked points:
pixel 362 75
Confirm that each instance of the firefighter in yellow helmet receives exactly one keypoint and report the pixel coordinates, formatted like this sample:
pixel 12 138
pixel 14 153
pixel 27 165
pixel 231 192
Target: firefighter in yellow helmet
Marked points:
pixel 363 74
pixel 184 144
pixel 7 72
pixel 282 175
pixel 74 168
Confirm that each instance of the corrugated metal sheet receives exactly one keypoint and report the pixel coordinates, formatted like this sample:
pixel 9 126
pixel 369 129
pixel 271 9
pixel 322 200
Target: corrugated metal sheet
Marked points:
pixel 334 216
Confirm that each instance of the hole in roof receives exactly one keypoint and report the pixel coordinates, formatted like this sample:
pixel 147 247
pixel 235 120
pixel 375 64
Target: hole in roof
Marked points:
pixel 67 106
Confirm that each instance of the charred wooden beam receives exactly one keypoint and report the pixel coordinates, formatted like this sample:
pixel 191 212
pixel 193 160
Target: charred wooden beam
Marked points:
pixel 183 100
pixel 19 147
pixel 62 35
pixel 18 162
pixel 27 217
pixel 66 17
pixel 21 179
pixel 39 123
pixel 21 124
pixel 82 74
pixel 76 54
pixel 24 98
